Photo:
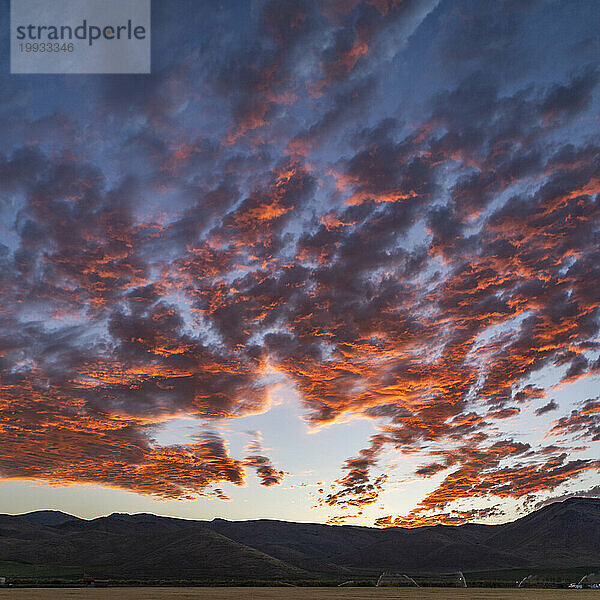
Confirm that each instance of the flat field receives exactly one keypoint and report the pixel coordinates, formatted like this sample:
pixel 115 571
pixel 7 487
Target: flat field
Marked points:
pixel 249 593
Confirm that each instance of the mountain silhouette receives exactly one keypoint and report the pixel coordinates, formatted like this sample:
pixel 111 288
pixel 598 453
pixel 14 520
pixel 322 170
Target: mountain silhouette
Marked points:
pixel 144 546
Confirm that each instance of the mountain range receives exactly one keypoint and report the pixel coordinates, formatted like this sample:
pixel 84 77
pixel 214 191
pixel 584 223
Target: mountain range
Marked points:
pixel 148 547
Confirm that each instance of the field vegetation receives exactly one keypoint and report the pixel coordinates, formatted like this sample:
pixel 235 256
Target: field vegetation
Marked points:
pixel 347 593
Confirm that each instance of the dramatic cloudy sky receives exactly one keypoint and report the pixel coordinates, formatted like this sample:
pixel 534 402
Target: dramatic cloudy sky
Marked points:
pixel 333 260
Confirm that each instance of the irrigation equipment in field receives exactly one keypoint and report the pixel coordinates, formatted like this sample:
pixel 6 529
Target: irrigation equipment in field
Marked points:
pixel 389 579
pixel 525 580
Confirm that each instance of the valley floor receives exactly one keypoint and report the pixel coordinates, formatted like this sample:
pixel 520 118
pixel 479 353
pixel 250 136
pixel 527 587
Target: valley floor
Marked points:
pixel 249 593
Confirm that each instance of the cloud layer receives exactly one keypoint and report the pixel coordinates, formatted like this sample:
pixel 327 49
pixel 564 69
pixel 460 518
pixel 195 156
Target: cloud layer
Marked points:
pixel 399 219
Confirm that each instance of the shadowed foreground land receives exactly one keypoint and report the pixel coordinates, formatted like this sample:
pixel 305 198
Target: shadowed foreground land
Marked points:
pixel 288 594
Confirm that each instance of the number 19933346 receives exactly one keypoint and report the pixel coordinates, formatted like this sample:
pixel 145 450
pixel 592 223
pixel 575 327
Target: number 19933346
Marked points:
pixel 46 47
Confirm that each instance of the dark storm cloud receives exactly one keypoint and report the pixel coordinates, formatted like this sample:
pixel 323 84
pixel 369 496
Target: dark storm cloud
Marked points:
pixel 265 470
pixel 259 78
pixel 546 408
pixel 568 100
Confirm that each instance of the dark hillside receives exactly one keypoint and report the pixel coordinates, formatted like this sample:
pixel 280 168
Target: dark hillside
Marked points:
pixel 564 534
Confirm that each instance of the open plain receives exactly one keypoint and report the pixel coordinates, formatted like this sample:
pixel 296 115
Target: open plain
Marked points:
pixel 274 593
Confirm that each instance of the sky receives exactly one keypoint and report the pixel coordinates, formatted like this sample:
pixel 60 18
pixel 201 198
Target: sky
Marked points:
pixel 332 260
